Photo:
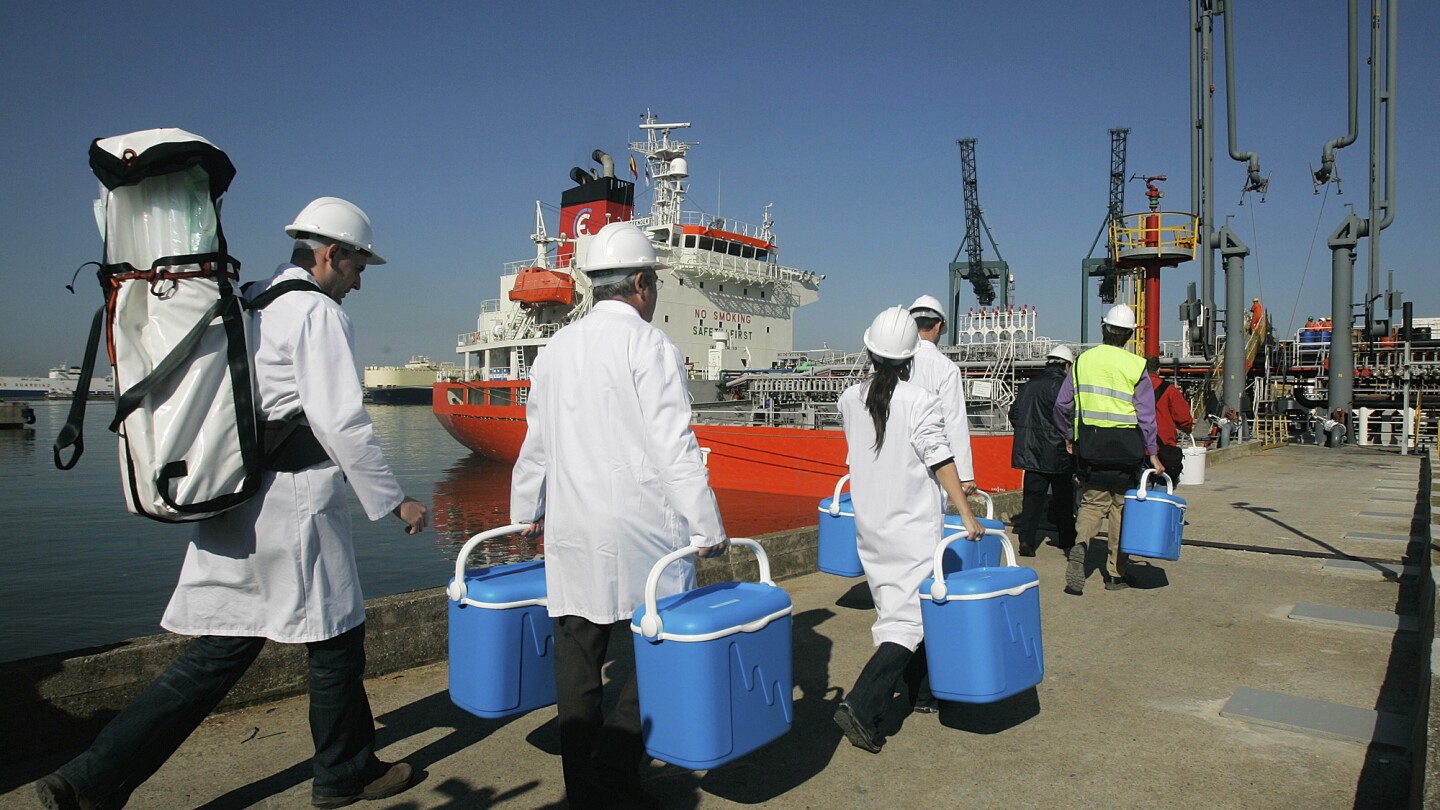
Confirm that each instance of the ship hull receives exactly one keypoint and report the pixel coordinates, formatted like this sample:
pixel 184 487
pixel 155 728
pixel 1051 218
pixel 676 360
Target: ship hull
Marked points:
pixel 401 396
pixel 778 460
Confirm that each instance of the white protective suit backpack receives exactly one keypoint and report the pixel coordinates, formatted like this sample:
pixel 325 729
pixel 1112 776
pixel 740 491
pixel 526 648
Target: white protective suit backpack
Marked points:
pixel 176 330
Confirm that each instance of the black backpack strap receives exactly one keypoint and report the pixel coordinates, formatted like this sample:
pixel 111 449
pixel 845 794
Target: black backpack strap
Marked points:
pixel 73 433
pixel 228 309
pixel 278 289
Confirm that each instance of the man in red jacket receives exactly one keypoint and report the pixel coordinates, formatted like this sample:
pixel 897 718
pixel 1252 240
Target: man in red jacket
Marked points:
pixel 1172 413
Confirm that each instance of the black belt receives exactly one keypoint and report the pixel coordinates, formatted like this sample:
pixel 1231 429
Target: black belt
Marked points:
pixel 291 446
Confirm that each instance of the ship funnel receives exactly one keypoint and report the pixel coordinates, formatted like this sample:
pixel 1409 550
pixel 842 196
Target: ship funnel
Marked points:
pixel 607 165
pixel 678 168
pixel 579 176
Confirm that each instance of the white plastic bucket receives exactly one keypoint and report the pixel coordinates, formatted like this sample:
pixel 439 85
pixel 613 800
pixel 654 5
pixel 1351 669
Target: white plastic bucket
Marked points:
pixel 1194 470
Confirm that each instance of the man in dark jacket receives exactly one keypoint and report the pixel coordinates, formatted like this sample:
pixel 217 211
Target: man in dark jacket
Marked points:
pixel 1039 450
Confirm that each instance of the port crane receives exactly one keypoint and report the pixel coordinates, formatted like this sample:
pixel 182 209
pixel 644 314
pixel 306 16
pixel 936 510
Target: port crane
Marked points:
pixel 981 274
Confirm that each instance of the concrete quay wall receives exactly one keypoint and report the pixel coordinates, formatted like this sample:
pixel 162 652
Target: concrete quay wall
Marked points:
pixel 71 695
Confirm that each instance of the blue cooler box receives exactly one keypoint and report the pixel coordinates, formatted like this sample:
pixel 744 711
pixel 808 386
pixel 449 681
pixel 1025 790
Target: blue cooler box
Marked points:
pixel 1152 521
pixel 501 642
pixel 982 630
pixel 838 552
pixel 714 670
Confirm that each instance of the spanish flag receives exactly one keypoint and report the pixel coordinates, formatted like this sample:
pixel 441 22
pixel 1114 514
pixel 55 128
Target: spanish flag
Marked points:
pixel 634 172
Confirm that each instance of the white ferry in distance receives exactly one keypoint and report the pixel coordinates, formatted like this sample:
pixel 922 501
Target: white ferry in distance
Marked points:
pixel 58 383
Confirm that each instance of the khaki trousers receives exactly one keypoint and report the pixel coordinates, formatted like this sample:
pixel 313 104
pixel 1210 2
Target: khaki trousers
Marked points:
pixel 1096 504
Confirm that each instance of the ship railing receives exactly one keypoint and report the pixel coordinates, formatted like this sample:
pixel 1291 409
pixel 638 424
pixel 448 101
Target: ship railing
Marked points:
pixel 697 262
pixel 768 412
pixel 514 268
pixel 721 223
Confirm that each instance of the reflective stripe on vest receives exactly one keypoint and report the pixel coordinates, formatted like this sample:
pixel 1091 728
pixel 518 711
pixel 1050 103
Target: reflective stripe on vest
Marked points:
pixel 1105 380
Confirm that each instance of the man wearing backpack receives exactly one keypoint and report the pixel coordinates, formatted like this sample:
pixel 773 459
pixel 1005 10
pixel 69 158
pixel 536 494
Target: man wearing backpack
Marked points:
pixel 1172 414
pixel 1106 412
pixel 280 565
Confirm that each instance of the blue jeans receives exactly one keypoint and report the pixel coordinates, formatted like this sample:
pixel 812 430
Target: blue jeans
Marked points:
pixel 142 737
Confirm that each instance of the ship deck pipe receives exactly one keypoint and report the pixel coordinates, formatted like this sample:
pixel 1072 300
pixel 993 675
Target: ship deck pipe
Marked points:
pixel 1340 378
pixel 607 165
pixel 1254 182
pixel 1233 388
pixel 1380 93
pixel 1327 155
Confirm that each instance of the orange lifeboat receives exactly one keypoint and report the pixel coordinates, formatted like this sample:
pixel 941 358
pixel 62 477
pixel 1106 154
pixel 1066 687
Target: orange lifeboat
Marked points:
pixel 538 287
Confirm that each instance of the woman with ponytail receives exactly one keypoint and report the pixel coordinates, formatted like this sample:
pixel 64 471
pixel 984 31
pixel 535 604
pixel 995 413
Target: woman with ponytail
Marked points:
pixel 898 453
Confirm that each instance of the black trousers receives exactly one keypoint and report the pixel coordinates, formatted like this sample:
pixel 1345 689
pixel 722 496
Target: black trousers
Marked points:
pixel 1062 506
pixel 600 755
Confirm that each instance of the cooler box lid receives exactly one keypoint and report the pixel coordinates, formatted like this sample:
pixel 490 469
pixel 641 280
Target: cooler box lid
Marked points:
pixel 985 583
pixel 719 610
pixel 1153 495
pixel 506 586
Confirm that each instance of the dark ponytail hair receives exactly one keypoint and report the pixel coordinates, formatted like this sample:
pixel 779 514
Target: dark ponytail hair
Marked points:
pixel 882 387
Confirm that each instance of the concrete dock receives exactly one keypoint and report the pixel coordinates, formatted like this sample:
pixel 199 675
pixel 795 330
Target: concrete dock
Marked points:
pixel 1283 661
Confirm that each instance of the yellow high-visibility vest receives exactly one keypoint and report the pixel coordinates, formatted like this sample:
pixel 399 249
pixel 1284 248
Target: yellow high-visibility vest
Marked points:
pixel 1105 378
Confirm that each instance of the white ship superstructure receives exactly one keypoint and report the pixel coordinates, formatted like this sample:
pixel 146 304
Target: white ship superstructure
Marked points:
pixel 725 299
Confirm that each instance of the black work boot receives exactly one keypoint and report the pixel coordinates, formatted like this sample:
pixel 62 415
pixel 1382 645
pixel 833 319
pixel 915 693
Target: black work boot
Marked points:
pixel 1075 570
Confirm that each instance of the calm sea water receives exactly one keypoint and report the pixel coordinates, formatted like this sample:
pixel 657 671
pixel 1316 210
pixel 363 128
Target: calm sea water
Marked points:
pixel 80 570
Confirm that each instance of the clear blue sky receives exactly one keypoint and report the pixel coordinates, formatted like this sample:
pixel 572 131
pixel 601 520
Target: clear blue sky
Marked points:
pixel 446 121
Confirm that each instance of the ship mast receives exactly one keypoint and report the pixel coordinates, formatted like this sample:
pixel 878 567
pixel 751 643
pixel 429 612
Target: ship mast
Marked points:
pixel 542 239
pixel 666 166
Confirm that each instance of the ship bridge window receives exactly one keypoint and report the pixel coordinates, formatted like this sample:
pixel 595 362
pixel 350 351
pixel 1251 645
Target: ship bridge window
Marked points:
pixel 706 243
pixel 747 252
pixel 734 248
pixel 689 240
pixel 762 255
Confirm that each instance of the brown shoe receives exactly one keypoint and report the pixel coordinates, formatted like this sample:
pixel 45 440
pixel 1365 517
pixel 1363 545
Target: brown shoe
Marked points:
pixel 396 778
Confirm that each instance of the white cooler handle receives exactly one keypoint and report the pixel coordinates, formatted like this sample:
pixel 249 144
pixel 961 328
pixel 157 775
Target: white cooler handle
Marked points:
pixel 1143 491
pixel 651 626
pixel 938 590
pixel 989 504
pixel 456 590
pixel 835 499
pixel 1191 437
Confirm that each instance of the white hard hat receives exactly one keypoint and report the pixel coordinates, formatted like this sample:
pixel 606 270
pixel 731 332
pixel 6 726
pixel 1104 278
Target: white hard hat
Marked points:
pixel 618 250
pixel 1061 352
pixel 928 306
pixel 1120 315
pixel 337 219
pixel 893 335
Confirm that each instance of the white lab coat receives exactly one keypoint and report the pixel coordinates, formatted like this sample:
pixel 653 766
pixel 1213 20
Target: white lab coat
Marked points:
pixel 609 460
pixel 281 565
pixel 939 375
pixel 898 504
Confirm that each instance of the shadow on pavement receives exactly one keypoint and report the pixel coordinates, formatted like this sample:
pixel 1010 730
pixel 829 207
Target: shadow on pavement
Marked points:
pixel 421 716
pixel 857 598
pixel 991 718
